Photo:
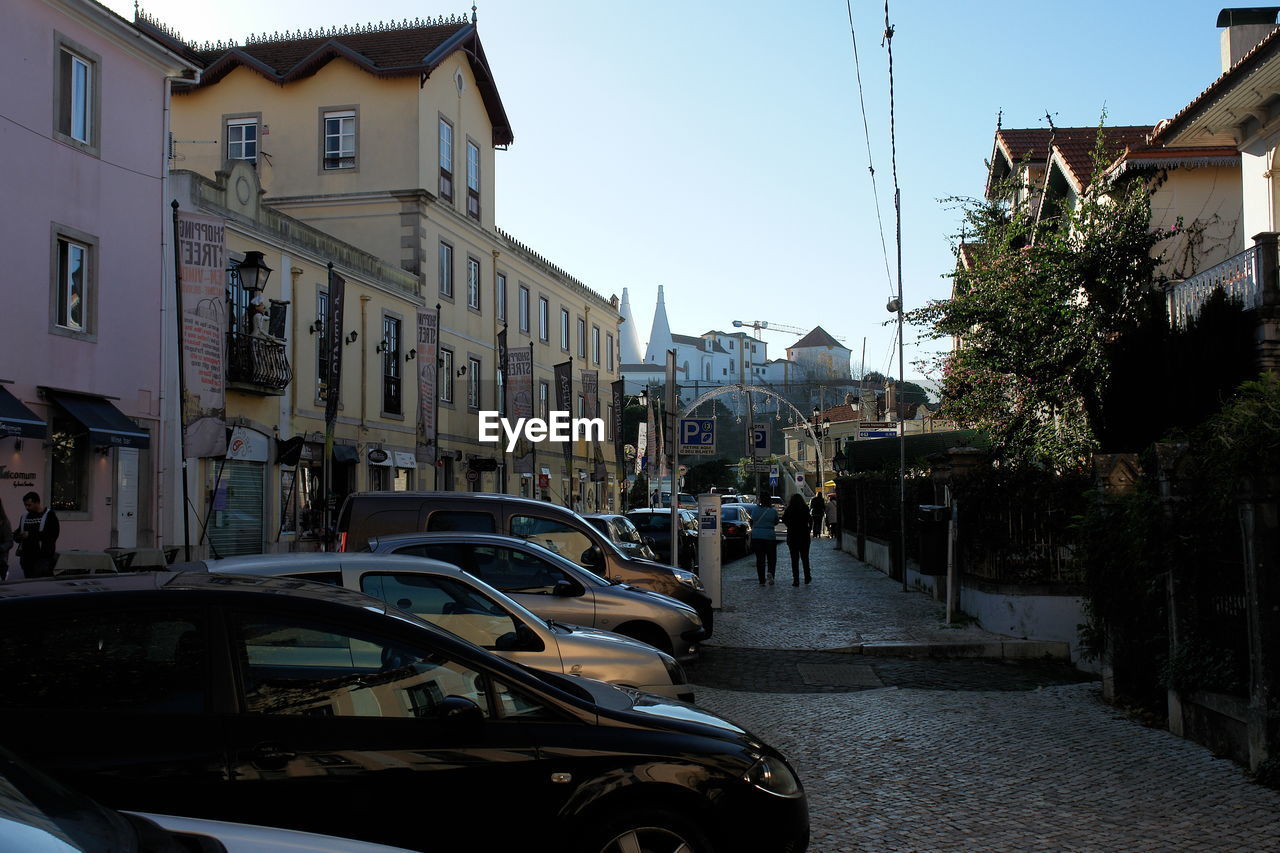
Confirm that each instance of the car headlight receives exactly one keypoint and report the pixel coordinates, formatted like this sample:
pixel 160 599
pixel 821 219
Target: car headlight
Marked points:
pixel 674 670
pixel 690 579
pixel 773 776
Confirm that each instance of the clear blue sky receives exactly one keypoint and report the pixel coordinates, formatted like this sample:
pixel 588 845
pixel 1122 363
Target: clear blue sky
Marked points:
pixel 717 148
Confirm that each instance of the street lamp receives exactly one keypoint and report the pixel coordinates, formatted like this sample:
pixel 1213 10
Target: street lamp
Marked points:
pixel 821 428
pixel 253 273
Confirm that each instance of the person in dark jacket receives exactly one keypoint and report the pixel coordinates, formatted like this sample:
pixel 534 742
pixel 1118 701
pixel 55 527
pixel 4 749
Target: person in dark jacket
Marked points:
pixel 818 513
pixel 37 534
pixel 797 519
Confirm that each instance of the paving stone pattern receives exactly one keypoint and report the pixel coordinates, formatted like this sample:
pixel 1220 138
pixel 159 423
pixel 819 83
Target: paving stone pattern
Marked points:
pixel 957 755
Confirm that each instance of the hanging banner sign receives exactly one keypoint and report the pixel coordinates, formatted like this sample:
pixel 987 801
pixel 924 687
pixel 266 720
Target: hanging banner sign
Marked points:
pixel 519 403
pixel 428 343
pixel 201 247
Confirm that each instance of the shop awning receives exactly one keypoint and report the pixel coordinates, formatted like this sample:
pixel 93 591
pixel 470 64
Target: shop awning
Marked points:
pixel 17 420
pixel 106 424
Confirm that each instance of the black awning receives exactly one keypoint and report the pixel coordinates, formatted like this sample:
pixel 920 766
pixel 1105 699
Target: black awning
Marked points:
pixel 17 420
pixel 345 453
pixel 106 424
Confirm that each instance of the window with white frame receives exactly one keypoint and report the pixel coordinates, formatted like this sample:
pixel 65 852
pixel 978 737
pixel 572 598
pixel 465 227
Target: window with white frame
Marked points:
pixel 608 348
pixel 76 110
pixel 544 310
pixel 392 400
pixel 446 270
pixel 473 283
pixel 595 344
pixel 473 383
pixel 242 139
pixel 446 376
pixel 564 329
pixel 544 399
pixel 473 180
pixel 522 310
pixel 446 160
pixel 340 139
pixel 582 339
pixel 500 296
pixel 72 287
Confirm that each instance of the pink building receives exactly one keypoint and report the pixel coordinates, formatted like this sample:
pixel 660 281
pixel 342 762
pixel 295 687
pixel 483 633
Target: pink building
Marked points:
pixel 87 275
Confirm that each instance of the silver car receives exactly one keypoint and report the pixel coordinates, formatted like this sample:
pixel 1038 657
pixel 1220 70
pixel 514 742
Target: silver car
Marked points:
pixel 467 606
pixel 557 588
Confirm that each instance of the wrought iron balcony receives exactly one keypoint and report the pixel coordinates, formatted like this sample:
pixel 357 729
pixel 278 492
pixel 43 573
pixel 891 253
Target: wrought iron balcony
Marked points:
pixel 1237 277
pixel 257 364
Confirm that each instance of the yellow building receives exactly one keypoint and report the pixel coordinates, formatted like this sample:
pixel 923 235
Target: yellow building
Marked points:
pixel 385 138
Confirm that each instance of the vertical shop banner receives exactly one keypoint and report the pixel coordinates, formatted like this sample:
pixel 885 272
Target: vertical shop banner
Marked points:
pixel 201 247
pixel 564 403
pixel 520 401
pixel 333 340
pixel 428 352
pixel 500 392
pixel 591 392
pixel 617 420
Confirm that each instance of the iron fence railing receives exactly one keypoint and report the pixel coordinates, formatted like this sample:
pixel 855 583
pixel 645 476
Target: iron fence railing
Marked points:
pixel 1237 277
pixel 257 361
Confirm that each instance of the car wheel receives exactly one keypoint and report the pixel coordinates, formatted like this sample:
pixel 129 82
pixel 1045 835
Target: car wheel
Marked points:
pixel 646 830
pixel 648 633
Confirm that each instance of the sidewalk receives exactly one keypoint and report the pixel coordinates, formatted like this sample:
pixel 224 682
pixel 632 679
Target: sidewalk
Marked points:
pixel 849 607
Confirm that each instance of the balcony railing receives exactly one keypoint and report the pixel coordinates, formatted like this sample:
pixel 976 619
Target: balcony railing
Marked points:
pixel 257 362
pixel 1237 277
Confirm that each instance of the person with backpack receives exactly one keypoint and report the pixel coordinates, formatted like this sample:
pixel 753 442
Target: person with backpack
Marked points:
pixel 37 535
pixel 764 539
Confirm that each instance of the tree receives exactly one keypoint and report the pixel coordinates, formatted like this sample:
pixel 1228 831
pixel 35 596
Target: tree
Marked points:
pixel 1044 312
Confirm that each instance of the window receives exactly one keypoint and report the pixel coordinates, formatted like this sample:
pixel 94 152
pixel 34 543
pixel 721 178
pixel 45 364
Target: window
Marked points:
pixel 322 350
pixel 340 139
pixel 72 286
pixel 473 180
pixel 582 339
pixel 522 309
pixel 452 605
pixel 76 99
pixel 608 349
pixel 392 401
pixel 544 309
pixel 446 270
pixel 476 522
pixel 595 344
pixel 118 661
pixel 500 296
pixel 473 383
pixel 556 536
pixel 564 330
pixel 608 423
pixel 446 376
pixel 513 571
pixel 544 399
pixel 68 465
pixel 446 160
pixel 473 283
pixel 242 139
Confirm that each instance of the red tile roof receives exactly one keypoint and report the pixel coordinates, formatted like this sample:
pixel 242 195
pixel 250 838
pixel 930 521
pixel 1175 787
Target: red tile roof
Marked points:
pixel 408 48
pixel 819 337
pixel 1075 146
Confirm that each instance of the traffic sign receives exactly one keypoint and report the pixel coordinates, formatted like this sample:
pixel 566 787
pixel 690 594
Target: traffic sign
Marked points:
pixel 758 467
pixel 697 437
pixel 758 441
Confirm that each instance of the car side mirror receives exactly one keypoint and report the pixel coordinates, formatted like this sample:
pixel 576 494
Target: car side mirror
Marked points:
pixel 592 556
pixel 566 588
pixel 460 711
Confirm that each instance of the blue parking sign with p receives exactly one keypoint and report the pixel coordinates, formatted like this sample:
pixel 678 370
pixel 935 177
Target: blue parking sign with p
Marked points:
pixel 697 436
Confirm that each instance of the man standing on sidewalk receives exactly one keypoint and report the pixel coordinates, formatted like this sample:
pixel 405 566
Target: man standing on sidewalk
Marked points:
pixel 833 520
pixel 764 539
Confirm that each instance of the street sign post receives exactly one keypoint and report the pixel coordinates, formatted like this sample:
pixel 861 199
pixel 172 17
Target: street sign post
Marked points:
pixel 758 467
pixel 697 437
pixel 759 440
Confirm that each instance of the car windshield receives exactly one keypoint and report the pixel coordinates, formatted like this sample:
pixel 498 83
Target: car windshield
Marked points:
pixel 652 520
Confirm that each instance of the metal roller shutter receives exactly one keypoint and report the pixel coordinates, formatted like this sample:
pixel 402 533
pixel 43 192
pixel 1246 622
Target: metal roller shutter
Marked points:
pixel 235 524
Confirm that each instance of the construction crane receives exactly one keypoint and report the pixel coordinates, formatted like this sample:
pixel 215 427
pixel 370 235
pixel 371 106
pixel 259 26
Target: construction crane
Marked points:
pixel 758 325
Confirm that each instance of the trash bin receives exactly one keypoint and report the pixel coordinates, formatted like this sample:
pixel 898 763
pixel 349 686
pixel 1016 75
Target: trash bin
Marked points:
pixel 932 523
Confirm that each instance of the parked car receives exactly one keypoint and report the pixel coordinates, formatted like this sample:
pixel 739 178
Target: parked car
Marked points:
pixel 556 588
pixel 318 708
pixel 366 514
pixel 465 604
pixel 683 499
pixel 735 530
pixel 40 815
pixel 623 534
pixel 656 525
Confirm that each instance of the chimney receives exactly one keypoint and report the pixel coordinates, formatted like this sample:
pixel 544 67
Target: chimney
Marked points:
pixel 1242 30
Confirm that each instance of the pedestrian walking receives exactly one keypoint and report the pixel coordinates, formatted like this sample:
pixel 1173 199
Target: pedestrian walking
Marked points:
pixel 37 535
pixel 797 520
pixel 6 542
pixel 818 514
pixel 833 520
pixel 764 538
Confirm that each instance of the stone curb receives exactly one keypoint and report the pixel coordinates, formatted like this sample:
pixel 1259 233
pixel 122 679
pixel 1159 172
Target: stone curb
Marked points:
pixel 998 649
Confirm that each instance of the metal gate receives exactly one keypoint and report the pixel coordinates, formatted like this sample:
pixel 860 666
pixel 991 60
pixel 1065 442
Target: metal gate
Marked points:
pixel 235 517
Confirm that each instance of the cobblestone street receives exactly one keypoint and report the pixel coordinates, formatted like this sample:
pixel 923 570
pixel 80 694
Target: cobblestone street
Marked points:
pixel 955 755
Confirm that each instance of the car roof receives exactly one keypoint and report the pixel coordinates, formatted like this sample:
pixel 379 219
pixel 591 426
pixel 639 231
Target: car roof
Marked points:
pixel 284 564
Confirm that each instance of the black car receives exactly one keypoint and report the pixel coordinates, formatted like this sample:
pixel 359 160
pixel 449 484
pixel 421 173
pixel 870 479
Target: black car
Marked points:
pixel 655 524
pixel 313 707
pixel 735 530
pixel 622 533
